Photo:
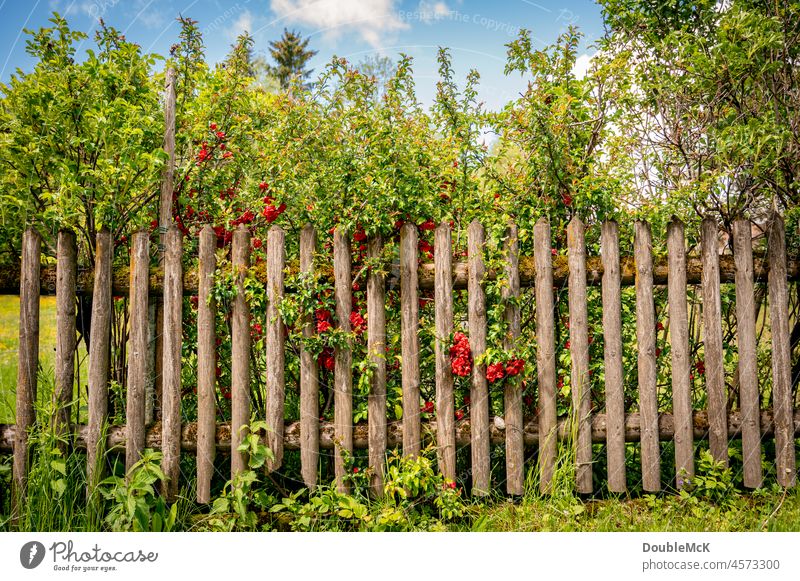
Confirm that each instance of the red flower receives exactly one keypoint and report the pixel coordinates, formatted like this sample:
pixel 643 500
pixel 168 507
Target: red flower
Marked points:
pixel 427 408
pixel 263 186
pixel 428 225
pixel 700 366
pixel 355 469
pixel 257 330
pixel 460 356
pixel 659 326
pixel 220 135
pixel 567 345
pixel 194 300
pixel 459 415
pixel 357 322
pixel 360 235
pixel 495 372
pixel 322 315
pixel 658 352
pixel 257 243
pixel 271 213
pixel 326 359
pixel 515 367
pixel 323 326
pixel 212 126
pixel 567 199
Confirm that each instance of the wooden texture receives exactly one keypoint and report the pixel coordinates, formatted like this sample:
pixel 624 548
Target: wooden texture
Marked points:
pixel 276 382
pixel 409 329
pixel 748 360
pixel 479 388
pixel 579 352
pixel 376 348
pixel 240 356
pixel 309 375
pixel 545 353
pixel 647 366
pixel 343 373
pixel 612 352
pixel 171 364
pixel 445 398
pixel 168 174
pixel 137 348
pixel 781 355
pixel 99 357
pixel 66 335
pixel 512 393
pixel 27 363
pixel 712 341
pixel 206 365
pixel 679 348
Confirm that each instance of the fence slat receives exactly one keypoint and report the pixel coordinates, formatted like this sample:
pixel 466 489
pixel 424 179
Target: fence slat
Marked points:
pixel 343 373
pixel 781 354
pixel 679 347
pixel 612 334
pixel 309 375
pixel 206 365
pixel 240 355
pixel 99 354
pixel 545 353
pixel 28 359
pixel 445 398
pixel 409 321
pixel 171 364
pixel 579 352
pixel 712 342
pixel 66 336
pixel 746 344
pixel 515 449
pixel 479 389
pixel 646 357
pixel 276 394
pixel 376 347
pixel 138 348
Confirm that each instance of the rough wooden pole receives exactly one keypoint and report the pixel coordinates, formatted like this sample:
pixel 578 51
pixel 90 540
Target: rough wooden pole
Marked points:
pixel 612 345
pixel 646 357
pixel 579 352
pixel 206 365
pixel 376 347
pixel 28 359
pixel 681 364
pixel 712 342
pixel 545 354
pixel 343 372
pixel 781 355
pixel 747 346
pixel 66 336
pixel 171 365
pixel 276 394
pixel 479 389
pixel 309 375
pixel 445 398
pixel 409 323
pixel 99 356
pixel 515 447
pixel 240 356
pixel 137 349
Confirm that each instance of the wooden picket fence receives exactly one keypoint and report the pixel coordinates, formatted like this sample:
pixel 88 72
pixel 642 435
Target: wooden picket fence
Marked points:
pixel 614 427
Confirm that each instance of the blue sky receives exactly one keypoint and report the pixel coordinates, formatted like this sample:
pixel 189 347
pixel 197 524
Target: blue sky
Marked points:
pixel 476 32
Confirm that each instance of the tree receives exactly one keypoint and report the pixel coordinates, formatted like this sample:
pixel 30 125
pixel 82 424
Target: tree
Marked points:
pixel 291 55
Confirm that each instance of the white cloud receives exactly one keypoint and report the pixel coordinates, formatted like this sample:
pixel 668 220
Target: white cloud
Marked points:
pixel 372 19
pixel 430 11
pixel 582 64
pixel 243 24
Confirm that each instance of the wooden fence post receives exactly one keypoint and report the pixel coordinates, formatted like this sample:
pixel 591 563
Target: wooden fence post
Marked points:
pixel 747 346
pixel 276 395
pixel 679 343
pixel 343 373
pixel 137 353
pixel 376 347
pixel 712 342
pixel 646 357
pixel 545 354
pixel 171 365
pixel 409 321
pixel 309 375
pixel 206 365
pixel 240 357
pixel 66 336
pixel 28 359
pixel 512 396
pixel 781 355
pixel 579 351
pixel 445 398
pixel 612 345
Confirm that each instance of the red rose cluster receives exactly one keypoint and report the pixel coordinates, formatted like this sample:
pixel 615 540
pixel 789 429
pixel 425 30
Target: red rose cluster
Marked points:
pixel 324 320
pixel 358 322
pixel 326 360
pixel 460 356
pixel 497 371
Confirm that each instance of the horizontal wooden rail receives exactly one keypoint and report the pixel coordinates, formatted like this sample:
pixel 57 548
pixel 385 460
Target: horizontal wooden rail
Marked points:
pixel 291 436
pixel 9 278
